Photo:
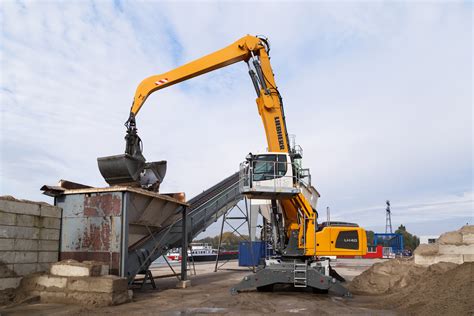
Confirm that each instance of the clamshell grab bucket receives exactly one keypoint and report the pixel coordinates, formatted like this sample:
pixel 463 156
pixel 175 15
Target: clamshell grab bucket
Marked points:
pixel 121 169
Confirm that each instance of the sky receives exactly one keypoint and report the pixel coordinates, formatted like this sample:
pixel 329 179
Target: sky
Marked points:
pixel 378 94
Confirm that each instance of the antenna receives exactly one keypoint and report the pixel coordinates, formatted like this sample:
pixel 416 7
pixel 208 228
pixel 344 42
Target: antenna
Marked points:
pixel 388 218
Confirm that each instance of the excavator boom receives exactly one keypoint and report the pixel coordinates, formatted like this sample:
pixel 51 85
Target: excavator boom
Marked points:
pixel 241 50
pixel 299 217
pixel 126 168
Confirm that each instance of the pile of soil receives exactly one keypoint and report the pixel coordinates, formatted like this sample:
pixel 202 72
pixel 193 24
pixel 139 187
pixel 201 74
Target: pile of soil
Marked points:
pixel 442 288
pixel 385 277
pixel 438 292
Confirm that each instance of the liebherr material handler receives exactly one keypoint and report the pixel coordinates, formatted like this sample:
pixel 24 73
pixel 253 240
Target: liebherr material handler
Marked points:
pixel 275 175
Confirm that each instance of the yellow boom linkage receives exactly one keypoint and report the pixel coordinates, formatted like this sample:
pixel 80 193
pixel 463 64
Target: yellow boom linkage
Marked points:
pixel 271 111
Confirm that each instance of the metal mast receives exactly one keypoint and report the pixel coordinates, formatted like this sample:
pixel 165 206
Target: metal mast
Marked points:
pixel 388 218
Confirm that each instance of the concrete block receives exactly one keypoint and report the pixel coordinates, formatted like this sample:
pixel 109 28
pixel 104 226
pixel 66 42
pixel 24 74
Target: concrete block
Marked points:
pixel 27 220
pixel 77 269
pixel 122 297
pixel 104 267
pixel 47 256
pixel 18 207
pixel 50 211
pixel 456 249
pixel 468 238
pixel 19 232
pixel 41 281
pixel 53 297
pixel 99 299
pixel 468 258
pixel 103 284
pixel 49 234
pixel 9 283
pixel 69 269
pixel 6 271
pixel 429 260
pixel 26 257
pixel 6 244
pixel 51 281
pixel 43 267
pixel 7 218
pixel 48 245
pixel 24 268
pixel 26 244
pixel 7 257
pixel 50 222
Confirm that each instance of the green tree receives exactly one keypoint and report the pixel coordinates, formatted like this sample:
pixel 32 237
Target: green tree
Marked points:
pixel 409 241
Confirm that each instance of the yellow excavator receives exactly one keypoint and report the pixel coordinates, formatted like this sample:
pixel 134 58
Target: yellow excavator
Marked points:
pixel 303 245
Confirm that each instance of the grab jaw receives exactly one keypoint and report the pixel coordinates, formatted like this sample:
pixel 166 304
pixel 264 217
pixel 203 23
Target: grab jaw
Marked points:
pixel 131 168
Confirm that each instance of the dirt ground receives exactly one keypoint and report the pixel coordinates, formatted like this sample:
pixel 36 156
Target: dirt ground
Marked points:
pixel 210 295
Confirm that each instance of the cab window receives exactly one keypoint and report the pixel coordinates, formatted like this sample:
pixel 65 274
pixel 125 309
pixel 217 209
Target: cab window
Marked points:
pixel 268 167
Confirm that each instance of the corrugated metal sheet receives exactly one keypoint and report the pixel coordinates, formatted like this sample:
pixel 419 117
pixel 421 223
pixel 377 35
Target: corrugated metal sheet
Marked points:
pixel 251 253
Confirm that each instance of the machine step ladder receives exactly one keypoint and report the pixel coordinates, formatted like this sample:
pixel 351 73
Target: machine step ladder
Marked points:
pixel 299 274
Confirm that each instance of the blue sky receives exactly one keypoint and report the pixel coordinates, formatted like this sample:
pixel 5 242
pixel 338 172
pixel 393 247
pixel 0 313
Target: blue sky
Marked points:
pixel 378 94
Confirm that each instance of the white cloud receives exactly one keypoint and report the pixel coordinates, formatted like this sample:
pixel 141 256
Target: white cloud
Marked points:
pixel 379 95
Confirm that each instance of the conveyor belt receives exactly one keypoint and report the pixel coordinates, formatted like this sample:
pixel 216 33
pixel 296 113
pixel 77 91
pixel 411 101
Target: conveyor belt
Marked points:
pixel 213 191
pixel 204 209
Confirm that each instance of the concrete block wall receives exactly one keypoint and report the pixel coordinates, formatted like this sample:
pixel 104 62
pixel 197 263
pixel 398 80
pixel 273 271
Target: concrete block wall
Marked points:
pixel 29 238
pixel 456 247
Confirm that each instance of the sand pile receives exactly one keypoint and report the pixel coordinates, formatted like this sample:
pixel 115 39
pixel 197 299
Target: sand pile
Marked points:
pixel 438 293
pixel 386 277
pixel 442 288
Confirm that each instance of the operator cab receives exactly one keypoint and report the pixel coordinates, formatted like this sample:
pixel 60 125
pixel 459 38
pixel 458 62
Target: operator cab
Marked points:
pixel 268 175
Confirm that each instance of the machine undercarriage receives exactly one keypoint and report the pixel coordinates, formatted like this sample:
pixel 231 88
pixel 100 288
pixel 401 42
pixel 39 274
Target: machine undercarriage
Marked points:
pixel 315 274
pixel 276 175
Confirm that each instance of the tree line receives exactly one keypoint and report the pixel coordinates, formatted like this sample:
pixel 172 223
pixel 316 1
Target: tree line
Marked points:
pixel 230 241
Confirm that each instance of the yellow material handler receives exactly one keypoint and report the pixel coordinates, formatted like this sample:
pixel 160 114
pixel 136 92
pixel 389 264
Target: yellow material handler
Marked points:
pixel 301 244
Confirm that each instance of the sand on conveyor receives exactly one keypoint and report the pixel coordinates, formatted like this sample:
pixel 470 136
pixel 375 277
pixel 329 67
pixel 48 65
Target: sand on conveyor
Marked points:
pixel 440 289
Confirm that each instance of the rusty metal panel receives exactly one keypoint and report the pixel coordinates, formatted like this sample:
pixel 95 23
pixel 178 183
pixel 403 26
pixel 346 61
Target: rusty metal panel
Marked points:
pixel 91 227
pixel 91 234
pixel 101 223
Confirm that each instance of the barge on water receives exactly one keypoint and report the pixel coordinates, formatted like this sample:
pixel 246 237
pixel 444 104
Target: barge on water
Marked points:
pixel 201 252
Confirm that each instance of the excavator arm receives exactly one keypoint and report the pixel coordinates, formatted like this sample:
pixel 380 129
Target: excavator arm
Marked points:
pixel 241 50
pixel 300 218
pixel 245 49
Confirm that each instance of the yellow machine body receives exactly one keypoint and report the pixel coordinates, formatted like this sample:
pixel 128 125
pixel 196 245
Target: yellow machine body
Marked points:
pixel 297 211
